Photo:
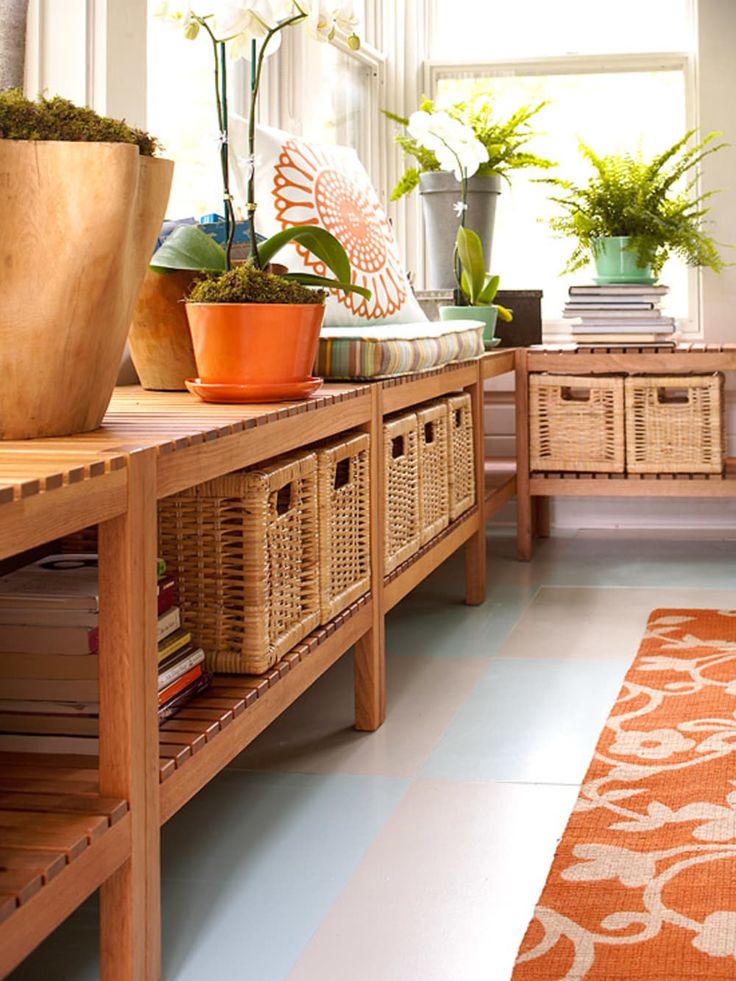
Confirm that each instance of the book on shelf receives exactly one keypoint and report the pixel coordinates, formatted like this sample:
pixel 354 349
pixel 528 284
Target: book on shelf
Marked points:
pixel 621 289
pixel 47 639
pixel 47 707
pixel 606 340
pixel 171 707
pixel 663 326
pixel 70 725
pixel 613 313
pixel 172 644
pixel 188 658
pixel 55 689
pixel 19 664
pixel 172 690
pixel 65 582
pixel 607 303
pixel 12 742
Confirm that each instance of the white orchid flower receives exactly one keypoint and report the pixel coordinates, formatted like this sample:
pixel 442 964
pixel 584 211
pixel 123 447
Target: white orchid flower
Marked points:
pixel 243 20
pixel 453 143
pixel 344 18
pixel 320 23
pixel 175 13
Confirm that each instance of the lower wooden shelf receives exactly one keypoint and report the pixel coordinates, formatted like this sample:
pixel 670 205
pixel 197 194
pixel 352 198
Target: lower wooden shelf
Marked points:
pixel 59 841
pixel 635 485
pixel 214 727
pixel 410 573
pixel 500 484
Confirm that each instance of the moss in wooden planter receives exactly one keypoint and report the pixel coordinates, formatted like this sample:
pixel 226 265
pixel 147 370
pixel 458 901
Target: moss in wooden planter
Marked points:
pixel 60 119
pixel 244 284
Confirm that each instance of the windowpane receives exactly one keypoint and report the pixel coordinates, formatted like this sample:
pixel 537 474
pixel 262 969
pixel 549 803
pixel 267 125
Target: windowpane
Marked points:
pixel 611 112
pixel 482 31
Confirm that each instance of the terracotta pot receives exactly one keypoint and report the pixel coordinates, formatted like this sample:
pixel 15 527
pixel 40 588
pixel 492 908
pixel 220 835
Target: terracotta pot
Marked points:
pixel 159 339
pixel 255 343
pixel 79 224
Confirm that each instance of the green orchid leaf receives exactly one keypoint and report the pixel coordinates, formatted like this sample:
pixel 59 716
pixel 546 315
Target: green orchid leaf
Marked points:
pixel 309 279
pixel 470 250
pixel 318 241
pixel 188 247
pixel 490 288
pixel 504 313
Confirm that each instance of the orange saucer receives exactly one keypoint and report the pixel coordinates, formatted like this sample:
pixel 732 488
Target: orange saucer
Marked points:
pixel 274 392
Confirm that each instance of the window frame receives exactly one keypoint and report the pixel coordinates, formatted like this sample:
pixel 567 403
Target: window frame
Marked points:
pixel 435 70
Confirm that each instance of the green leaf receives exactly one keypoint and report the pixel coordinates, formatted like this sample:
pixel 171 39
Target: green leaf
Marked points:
pixel 470 250
pixel 188 247
pixel 309 279
pixel 504 313
pixel 490 288
pixel 318 241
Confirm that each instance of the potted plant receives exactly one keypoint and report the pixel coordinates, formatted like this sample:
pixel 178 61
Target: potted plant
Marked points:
pixel 633 213
pixel 82 198
pixel 255 331
pixel 247 28
pixel 476 288
pixel 503 141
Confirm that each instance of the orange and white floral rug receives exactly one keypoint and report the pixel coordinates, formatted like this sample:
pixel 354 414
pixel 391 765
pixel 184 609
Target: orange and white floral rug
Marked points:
pixel 643 883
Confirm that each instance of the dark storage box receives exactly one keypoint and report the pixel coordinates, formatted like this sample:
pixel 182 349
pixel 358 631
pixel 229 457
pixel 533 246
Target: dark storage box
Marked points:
pixel 524 330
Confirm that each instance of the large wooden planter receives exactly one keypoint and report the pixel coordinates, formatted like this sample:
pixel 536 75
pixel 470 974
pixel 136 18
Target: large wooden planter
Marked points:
pixel 159 341
pixel 79 222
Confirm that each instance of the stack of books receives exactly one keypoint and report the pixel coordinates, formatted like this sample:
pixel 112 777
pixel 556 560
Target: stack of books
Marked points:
pixel 49 640
pixel 626 314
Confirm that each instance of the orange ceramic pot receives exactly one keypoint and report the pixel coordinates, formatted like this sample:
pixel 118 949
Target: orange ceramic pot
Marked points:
pixel 255 343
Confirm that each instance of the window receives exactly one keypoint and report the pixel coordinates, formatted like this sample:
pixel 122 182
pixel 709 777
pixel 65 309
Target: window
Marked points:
pixel 322 91
pixel 620 90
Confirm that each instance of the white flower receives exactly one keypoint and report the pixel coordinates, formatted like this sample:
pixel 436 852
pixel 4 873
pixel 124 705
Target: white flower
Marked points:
pixel 242 21
pixel 656 744
pixel 717 936
pixel 344 18
pixel 453 143
pixel 175 13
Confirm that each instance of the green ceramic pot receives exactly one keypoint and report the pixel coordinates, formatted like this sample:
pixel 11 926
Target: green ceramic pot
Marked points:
pixel 615 263
pixel 488 315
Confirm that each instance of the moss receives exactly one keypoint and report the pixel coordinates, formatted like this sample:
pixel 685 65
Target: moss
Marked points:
pixel 244 284
pixel 60 119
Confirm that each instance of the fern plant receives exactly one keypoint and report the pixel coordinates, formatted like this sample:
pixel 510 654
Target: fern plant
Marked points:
pixel 655 203
pixel 503 139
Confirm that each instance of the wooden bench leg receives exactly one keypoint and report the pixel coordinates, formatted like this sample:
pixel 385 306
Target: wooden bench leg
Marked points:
pixel 130 948
pixel 523 500
pixel 541 516
pixel 475 547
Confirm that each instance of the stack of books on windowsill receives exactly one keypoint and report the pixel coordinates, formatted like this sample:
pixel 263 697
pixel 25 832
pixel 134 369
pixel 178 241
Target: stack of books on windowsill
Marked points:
pixel 622 315
pixel 49 690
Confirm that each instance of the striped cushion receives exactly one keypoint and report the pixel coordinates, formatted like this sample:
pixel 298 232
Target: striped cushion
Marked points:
pixel 399 349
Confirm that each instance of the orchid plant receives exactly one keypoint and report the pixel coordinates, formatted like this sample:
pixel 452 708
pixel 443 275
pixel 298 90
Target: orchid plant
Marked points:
pixel 251 29
pixel 460 152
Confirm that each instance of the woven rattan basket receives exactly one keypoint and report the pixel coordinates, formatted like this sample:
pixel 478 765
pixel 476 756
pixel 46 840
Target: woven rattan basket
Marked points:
pixel 576 423
pixel 401 475
pixel 461 460
pixel 434 470
pixel 244 548
pixel 343 469
pixel 675 424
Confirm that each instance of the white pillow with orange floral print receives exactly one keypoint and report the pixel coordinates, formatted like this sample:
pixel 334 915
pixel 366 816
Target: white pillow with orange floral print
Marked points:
pixel 303 183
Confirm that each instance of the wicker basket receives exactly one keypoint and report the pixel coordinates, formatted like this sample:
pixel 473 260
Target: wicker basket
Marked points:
pixel 343 469
pixel 245 550
pixel 434 470
pixel 576 423
pixel 675 424
pixel 401 528
pixel 461 454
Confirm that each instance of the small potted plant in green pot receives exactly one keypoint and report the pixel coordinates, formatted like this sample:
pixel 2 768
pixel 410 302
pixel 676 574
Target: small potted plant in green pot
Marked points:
pixel 477 289
pixel 633 213
pixel 82 198
pixel 246 29
pixel 500 150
